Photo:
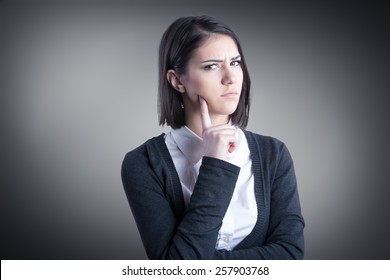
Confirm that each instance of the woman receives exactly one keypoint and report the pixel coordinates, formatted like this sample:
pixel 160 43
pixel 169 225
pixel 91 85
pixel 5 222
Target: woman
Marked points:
pixel 208 189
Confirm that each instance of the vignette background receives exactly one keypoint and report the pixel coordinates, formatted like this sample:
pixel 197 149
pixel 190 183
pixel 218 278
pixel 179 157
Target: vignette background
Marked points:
pixel 78 89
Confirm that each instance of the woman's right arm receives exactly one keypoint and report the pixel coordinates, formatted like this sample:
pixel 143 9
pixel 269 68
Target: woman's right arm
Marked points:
pixel 164 235
pixel 194 235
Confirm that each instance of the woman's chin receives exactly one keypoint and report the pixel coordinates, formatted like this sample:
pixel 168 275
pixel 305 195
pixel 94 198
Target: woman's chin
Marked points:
pixel 225 110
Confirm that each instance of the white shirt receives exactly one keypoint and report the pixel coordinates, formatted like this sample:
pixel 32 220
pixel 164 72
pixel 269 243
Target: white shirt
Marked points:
pixel 186 150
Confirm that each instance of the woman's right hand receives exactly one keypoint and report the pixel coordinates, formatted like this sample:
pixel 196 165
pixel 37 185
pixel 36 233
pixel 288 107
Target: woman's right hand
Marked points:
pixel 218 140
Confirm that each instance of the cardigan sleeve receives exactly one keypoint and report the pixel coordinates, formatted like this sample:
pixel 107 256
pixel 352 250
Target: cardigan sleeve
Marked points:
pixel 285 239
pixel 164 235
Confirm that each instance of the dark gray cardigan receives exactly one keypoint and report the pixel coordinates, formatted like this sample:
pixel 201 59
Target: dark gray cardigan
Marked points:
pixel 169 230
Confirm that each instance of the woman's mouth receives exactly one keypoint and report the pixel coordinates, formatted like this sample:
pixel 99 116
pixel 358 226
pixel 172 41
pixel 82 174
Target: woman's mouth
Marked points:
pixel 230 94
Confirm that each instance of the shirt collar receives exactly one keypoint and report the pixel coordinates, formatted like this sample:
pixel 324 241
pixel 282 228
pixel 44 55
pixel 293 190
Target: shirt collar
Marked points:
pixel 190 144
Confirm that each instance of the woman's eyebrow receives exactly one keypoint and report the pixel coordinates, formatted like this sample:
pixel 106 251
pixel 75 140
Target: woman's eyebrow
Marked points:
pixel 212 60
pixel 220 60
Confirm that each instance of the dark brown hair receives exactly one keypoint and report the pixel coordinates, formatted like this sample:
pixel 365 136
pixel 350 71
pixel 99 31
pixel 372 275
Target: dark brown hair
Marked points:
pixel 179 41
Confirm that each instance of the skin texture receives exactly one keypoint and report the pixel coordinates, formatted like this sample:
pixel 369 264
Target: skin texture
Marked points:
pixel 218 140
pixel 211 88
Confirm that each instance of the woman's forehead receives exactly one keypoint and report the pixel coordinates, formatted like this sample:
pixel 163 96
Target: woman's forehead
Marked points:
pixel 217 46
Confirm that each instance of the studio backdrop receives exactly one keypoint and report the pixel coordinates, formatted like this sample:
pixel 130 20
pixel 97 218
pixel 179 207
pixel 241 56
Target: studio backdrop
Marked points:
pixel 78 89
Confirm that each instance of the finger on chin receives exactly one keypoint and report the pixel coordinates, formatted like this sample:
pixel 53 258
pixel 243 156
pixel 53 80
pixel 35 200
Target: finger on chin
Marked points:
pixel 204 113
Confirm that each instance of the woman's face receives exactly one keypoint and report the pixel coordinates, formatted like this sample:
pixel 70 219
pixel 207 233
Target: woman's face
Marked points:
pixel 214 72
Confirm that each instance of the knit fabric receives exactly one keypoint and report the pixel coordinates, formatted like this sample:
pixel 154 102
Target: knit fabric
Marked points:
pixel 169 230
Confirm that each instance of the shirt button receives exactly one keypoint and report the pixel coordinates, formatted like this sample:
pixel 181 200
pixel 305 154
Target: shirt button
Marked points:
pixel 227 238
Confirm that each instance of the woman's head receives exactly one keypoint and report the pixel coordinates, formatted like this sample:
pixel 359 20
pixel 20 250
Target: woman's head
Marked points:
pixel 201 53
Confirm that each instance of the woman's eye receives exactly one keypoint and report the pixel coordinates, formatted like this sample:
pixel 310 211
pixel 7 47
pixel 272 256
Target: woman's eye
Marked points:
pixel 236 63
pixel 211 67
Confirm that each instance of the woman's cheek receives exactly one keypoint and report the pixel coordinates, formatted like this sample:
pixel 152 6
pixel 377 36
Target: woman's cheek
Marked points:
pixel 193 96
pixel 199 86
pixel 194 92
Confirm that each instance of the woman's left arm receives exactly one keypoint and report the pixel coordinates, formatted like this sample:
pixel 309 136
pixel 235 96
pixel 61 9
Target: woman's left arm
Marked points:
pixel 285 238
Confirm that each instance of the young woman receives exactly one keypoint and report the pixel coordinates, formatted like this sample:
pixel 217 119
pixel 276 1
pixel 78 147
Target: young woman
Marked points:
pixel 209 189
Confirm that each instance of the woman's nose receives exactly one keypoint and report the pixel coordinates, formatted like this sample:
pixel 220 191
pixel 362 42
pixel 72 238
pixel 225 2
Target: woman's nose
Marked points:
pixel 229 77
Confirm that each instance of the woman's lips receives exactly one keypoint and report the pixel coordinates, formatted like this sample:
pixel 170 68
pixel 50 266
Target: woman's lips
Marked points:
pixel 229 94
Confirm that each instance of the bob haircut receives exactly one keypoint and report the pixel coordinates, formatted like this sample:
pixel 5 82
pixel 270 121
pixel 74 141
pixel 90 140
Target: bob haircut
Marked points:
pixel 178 43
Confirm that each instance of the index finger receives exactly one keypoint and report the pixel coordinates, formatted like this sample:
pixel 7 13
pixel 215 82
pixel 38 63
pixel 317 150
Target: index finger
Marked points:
pixel 204 113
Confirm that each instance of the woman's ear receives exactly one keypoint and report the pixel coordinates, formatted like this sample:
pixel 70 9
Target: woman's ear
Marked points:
pixel 175 82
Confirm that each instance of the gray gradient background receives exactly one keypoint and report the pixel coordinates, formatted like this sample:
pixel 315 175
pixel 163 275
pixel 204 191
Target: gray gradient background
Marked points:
pixel 78 83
